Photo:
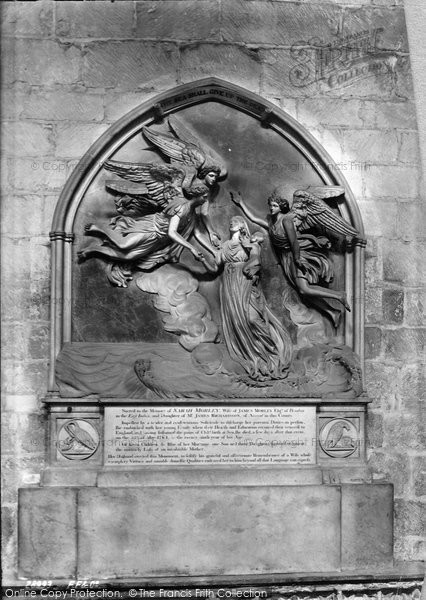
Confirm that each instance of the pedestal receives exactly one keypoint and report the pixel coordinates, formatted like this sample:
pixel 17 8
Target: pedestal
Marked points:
pixel 190 490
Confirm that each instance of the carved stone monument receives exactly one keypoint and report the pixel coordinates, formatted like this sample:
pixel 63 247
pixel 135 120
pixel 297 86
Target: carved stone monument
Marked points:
pixel 206 401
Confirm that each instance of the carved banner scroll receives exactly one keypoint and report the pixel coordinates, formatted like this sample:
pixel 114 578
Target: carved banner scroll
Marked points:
pixel 191 435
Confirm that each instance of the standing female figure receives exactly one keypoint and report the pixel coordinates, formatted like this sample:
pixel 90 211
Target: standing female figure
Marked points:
pixel 254 337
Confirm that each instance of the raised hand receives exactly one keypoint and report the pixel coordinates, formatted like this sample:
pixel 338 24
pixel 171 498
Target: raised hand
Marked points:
pixel 299 264
pixel 236 198
pixel 251 272
pixel 198 255
pixel 215 239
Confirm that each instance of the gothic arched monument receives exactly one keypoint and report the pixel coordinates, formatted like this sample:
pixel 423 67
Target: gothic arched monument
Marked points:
pixel 206 403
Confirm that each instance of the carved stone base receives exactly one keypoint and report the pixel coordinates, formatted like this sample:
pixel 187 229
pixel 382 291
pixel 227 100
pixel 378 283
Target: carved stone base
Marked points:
pixel 203 531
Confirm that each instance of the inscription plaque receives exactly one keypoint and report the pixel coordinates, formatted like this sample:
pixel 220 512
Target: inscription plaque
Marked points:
pixel 192 435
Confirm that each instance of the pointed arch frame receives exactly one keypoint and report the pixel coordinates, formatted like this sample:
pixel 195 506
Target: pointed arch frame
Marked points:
pixel 154 110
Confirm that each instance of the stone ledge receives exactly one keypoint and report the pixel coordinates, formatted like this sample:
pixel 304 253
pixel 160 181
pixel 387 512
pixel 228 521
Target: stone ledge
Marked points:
pixel 404 579
pixel 55 400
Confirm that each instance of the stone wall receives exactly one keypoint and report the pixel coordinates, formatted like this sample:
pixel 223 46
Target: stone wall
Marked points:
pixel 70 69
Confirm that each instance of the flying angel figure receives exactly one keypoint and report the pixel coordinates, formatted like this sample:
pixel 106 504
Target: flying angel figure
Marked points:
pixel 152 227
pixel 200 163
pixel 157 208
pixel 302 255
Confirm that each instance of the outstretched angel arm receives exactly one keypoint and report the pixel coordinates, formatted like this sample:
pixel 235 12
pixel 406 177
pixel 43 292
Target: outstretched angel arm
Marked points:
pixel 310 210
pixel 203 241
pixel 208 224
pixel 238 200
pixel 176 237
pixel 162 182
pixel 212 267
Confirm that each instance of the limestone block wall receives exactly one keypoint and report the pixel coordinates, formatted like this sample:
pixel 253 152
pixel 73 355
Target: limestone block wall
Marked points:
pixel 72 68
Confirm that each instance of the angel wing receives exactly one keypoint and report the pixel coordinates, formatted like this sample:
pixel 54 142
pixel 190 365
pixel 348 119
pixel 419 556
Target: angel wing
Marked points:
pixel 182 146
pixel 325 191
pixel 182 132
pixel 131 199
pixel 185 134
pixel 126 187
pixel 178 150
pixel 162 182
pixel 310 211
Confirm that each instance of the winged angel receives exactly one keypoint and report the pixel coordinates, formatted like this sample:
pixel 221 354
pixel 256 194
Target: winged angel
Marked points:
pixel 297 235
pixel 158 206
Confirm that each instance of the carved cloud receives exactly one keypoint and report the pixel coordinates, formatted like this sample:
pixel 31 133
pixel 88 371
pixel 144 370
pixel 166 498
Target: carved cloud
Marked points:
pixel 187 313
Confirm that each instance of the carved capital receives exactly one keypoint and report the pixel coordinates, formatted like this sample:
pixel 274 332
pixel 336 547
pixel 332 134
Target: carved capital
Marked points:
pixel 61 235
pixel 57 235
